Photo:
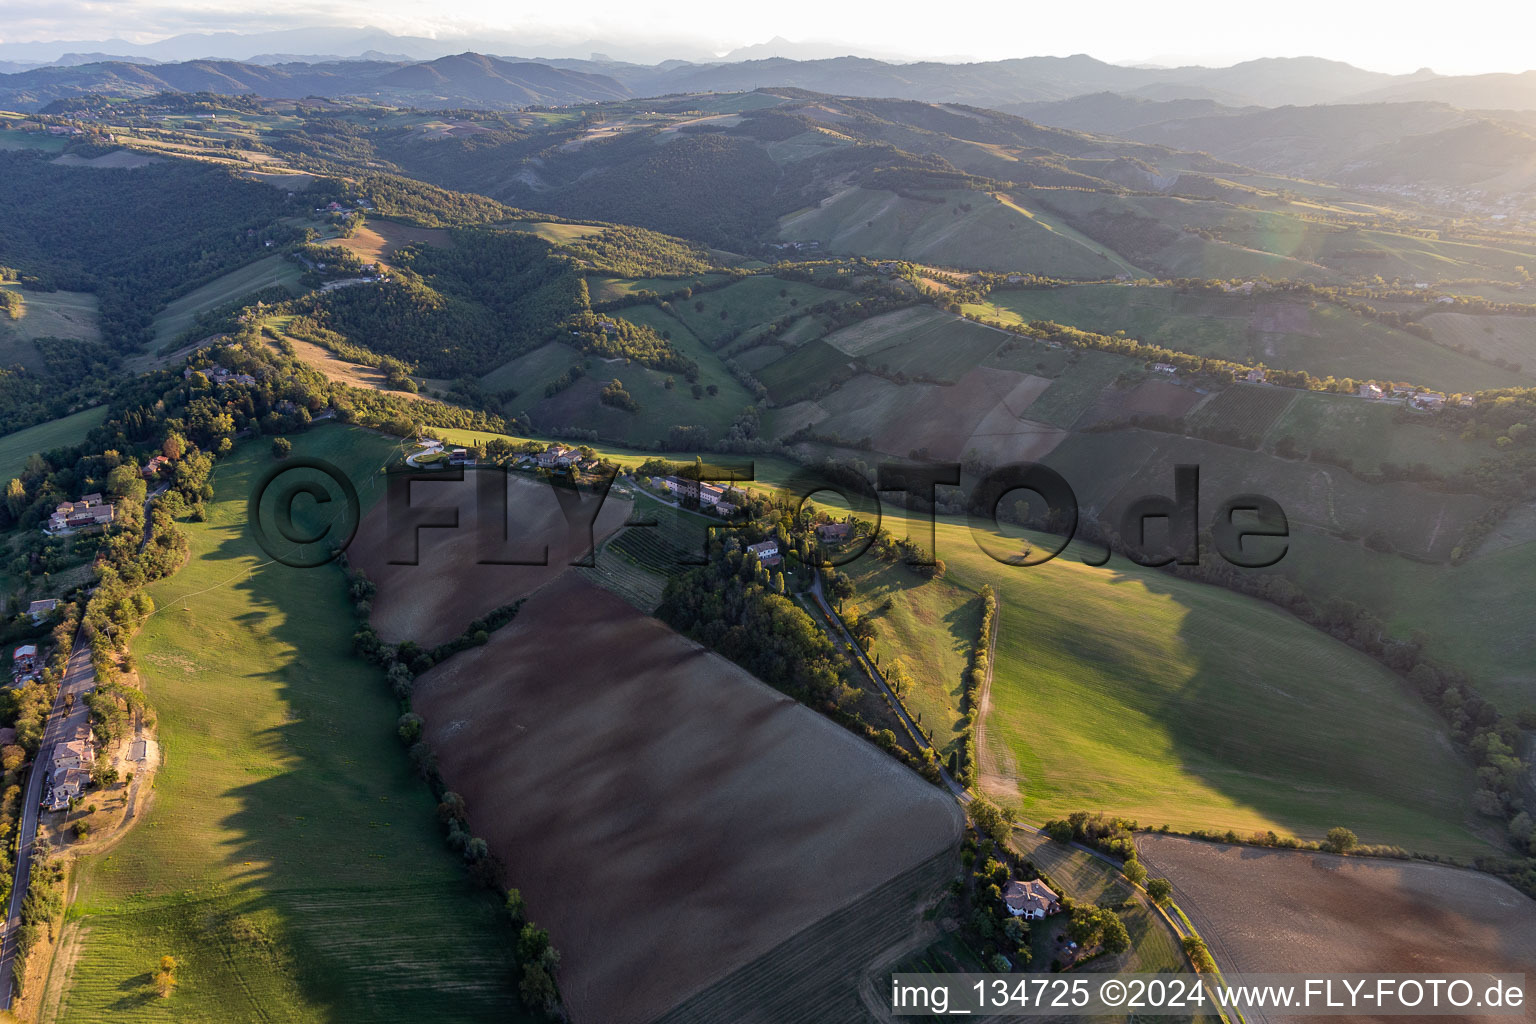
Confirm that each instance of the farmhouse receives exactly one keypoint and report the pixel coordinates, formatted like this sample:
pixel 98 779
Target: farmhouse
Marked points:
pixel 1165 368
pixel 89 511
pixel 1254 376
pixel 155 465
pixel 37 611
pixel 65 786
pixel 683 487
pixel 710 495
pixel 1428 400
pixel 1370 391
pixel 556 456
pixel 767 552
pixel 1032 899
pixel 460 457
pixel 834 533
pixel 24 656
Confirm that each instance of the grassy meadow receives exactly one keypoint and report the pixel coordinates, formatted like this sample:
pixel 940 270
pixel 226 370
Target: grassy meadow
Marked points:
pixel 1126 690
pixel 16 448
pixel 179 316
pixel 290 860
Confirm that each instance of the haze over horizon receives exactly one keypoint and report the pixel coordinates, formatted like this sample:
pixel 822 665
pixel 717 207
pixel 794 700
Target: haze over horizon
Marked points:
pixel 1412 39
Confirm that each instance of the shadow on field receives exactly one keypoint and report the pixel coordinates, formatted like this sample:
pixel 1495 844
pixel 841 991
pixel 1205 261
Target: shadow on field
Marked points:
pixel 333 896
pixel 1300 727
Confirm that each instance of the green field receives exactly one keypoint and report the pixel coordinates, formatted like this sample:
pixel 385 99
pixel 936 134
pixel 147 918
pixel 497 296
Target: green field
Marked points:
pixel 919 342
pixel 969 230
pixel 1243 413
pixel 16 448
pixel 1078 386
pixel 1109 469
pixel 1129 691
pixel 805 371
pixel 556 232
pixel 932 628
pixel 528 373
pixel 290 860
pixel 179 316
pixel 1474 616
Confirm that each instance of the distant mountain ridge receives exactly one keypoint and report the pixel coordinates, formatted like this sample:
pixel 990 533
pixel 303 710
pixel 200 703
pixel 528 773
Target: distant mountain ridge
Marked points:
pixel 1382 143
pixel 1267 82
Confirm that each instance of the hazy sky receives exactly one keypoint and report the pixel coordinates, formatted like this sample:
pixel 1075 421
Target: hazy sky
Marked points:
pixel 1471 37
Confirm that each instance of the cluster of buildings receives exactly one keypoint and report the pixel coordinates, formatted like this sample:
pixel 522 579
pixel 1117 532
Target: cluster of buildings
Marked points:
pixel 1417 398
pixel 707 495
pixel 90 512
pixel 69 773
pixel 220 375
pixel 558 457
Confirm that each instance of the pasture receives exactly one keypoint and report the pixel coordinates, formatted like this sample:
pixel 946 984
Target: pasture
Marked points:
pixel 682 782
pixel 1343 914
pixel 179 316
pixel 16 448
pixel 551 231
pixel 290 860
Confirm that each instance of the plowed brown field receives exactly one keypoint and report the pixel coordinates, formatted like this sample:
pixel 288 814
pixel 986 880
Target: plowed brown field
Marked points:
pixel 668 818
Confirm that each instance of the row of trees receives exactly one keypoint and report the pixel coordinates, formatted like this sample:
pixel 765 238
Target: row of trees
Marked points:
pixel 537 960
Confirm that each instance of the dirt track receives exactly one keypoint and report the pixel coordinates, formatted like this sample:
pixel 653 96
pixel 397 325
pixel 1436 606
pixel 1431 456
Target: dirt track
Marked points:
pixel 667 817
pixel 434 600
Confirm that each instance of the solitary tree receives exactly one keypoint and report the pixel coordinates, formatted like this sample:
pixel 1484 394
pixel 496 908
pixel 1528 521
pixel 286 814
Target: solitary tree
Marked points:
pixel 1340 840
pixel 281 447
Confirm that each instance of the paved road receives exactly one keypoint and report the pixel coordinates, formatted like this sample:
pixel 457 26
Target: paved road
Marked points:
pixel 79 677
